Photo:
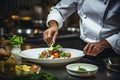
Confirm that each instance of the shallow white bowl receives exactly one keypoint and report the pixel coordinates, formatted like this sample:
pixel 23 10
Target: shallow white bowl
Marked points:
pixel 73 69
pixel 33 56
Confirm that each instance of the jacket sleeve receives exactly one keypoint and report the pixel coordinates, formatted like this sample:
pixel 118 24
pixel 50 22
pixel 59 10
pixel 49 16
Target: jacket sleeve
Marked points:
pixel 62 10
pixel 114 40
pixel 113 19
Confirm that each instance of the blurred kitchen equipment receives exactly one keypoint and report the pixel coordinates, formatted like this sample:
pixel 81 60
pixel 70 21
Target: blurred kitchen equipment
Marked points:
pixel 25 26
pixel 38 12
pixel 112 63
pixel 39 16
pixel 39 23
pixel 29 33
pixel 3 29
pixel 2 32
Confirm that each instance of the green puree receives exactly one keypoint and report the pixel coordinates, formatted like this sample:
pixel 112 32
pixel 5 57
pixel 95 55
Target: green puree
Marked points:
pixel 81 69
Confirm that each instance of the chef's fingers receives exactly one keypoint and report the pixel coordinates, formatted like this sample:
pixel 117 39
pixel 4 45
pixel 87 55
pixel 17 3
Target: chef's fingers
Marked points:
pixel 46 37
pixel 97 50
pixel 94 51
pixel 54 37
pixel 90 48
pixel 50 37
pixel 85 50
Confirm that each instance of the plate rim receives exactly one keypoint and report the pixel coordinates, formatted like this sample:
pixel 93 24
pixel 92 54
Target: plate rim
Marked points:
pixel 52 61
pixel 75 73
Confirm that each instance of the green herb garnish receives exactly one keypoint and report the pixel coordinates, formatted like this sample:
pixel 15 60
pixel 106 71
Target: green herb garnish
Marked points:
pixel 57 47
pixel 62 55
pixel 15 40
pixel 40 76
pixel 81 69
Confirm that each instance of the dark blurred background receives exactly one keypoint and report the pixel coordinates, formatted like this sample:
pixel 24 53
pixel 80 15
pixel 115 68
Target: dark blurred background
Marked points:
pixel 28 19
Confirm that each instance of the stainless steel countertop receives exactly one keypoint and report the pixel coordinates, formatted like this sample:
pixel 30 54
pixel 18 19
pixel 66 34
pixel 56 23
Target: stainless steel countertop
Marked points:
pixel 61 73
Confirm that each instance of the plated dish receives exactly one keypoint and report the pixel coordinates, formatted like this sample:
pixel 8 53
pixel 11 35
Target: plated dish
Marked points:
pixel 11 69
pixel 33 56
pixel 54 53
pixel 81 69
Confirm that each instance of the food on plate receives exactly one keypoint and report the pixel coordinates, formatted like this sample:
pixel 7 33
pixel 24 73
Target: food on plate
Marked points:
pixel 54 52
pixel 81 69
pixel 2 65
pixel 4 52
pixel 24 69
pixel 40 76
pixel 10 64
pixel 11 67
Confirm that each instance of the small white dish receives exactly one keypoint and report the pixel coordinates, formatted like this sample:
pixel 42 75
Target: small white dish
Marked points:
pixel 90 69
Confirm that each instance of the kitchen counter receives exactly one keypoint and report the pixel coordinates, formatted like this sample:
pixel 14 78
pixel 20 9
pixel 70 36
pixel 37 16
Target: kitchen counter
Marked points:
pixel 61 73
pixel 71 41
pixel 102 74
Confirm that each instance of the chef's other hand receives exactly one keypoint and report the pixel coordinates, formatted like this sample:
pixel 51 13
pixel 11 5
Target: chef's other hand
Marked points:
pixel 95 48
pixel 49 35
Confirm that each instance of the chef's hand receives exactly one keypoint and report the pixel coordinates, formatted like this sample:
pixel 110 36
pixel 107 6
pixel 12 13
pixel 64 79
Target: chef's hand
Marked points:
pixel 49 35
pixel 95 48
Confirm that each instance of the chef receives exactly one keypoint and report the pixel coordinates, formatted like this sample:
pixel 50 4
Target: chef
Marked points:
pixel 99 25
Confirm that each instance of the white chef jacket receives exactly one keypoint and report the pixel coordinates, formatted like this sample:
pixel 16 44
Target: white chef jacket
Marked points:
pixel 92 26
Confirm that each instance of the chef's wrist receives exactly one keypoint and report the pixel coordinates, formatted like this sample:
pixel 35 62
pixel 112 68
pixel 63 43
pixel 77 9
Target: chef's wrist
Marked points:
pixel 105 44
pixel 53 23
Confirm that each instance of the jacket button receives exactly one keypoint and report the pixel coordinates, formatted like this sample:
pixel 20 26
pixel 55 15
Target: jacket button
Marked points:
pixel 100 22
pixel 84 36
pixel 95 38
pixel 105 1
pixel 84 32
pixel 84 16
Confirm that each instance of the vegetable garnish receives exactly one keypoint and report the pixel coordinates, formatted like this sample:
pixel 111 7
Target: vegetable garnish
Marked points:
pixel 81 69
pixel 40 76
pixel 54 52
pixel 15 40
pixel 56 48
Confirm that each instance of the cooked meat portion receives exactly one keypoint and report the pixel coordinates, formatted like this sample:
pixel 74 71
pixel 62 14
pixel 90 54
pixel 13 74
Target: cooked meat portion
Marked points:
pixel 3 52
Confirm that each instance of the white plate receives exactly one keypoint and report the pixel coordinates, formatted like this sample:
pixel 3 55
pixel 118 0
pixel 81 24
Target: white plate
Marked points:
pixel 90 69
pixel 33 54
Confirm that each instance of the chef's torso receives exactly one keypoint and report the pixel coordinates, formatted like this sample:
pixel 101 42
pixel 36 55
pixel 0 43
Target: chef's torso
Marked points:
pixel 99 19
pixel 91 23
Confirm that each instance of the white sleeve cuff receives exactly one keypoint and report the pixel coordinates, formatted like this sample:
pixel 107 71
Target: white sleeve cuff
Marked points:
pixel 115 42
pixel 57 18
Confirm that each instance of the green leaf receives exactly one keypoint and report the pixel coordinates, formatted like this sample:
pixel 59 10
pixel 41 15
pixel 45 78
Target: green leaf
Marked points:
pixel 15 40
pixel 57 47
